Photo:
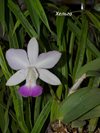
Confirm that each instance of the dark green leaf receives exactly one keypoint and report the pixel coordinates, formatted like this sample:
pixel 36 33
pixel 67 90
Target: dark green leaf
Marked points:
pixel 78 104
pixel 13 42
pixel 34 17
pixel 19 15
pixel 90 66
pixel 54 110
pixel 81 46
pixel 37 108
pixel 73 27
pixel 17 99
pixel 26 13
pixel 42 118
pixel 2 14
pixel 94 113
pixel 40 12
pixel 93 18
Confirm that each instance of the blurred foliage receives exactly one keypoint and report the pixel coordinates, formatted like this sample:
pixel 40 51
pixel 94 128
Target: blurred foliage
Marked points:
pixel 77 37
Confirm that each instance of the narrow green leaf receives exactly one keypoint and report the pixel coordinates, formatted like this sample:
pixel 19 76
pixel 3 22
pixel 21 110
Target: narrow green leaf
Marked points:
pixel 2 14
pixel 28 115
pixel 37 108
pixel 88 55
pixel 72 106
pixel 17 24
pixel 90 66
pixel 21 37
pixel 64 68
pixel 3 65
pixel 81 46
pixel 13 42
pixel 61 42
pixel 59 91
pixel 71 50
pixel 19 15
pixel 41 13
pixel 17 99
pixel 1 118
pixel 6 117
pixel 54 110
pixel 74 28
pixel 34 17
pixel 42 118
pixel 60 25
pixel 93 18
pixel 56 104
pixel 15 127
pixel 52 6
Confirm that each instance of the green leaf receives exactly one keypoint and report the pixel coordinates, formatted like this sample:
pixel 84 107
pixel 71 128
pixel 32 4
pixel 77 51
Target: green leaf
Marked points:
pixel 19 15
pixel 88 55
pixel 90 66
pixel 92 124
pixel 26 13
pixel 42 118
pixel 94 113
pixel 1 118
pixel 59 92
pixel 6 117
pixel 60 25
pixel 2 14
pixel 17 99
pixel 78 123
pixel 37 108
pixel 93 18
pixel 34 17
pixel 81 46
pixel 75 29
pixel 72 106
pixel 28 115
pixel 71 51
pixel 13 42
pixel 40 11
pixel 54 110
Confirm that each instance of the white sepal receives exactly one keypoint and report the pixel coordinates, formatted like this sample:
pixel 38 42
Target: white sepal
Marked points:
pixel 48 77
pixel 48 60
pixel 32 50
pixel 17 78
pixel 17 58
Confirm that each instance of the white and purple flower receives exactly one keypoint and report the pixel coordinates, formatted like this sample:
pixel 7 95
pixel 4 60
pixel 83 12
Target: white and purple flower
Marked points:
pixel 30 66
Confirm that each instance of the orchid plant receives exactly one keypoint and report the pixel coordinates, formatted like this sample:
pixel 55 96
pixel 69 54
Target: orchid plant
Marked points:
pixel 73 101
pixel 30 66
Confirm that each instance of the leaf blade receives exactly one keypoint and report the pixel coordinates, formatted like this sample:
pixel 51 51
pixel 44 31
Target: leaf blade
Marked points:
pixel 42 118
pixel 72 107
pixel 15 9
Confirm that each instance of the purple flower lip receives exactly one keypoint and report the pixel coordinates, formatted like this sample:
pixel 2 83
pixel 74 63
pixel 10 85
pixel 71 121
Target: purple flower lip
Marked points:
pixel 34 91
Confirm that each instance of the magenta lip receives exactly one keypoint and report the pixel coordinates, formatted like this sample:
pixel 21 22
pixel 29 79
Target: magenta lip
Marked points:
pixel 30 91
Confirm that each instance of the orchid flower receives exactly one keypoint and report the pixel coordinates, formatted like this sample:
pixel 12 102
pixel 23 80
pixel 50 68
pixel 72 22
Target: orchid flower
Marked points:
pixel 30 66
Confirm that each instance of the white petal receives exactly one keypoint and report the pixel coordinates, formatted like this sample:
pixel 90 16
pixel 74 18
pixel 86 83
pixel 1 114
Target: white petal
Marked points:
pixel 17 58
pixel 32 50
pixel 48 60
pixel 17 78
pixel 48 77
